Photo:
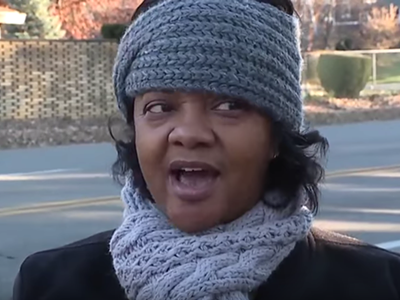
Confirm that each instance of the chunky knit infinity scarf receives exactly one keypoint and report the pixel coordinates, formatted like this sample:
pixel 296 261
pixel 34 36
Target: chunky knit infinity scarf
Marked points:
pixel 155 261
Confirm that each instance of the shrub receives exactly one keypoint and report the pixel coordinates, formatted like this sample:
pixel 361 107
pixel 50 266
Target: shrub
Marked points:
pixel 113 31
pixel 344 75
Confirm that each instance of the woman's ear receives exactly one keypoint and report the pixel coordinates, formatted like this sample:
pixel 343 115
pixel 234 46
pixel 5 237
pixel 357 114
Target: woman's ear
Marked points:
pixel 120 130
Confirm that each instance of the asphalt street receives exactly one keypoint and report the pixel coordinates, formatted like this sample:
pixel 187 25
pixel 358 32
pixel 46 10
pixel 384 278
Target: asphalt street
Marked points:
pixel 53 196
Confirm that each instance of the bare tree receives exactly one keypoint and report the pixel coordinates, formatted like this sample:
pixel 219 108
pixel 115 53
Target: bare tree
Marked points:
pixel 317 22
pixel 82 19
pixel 381 28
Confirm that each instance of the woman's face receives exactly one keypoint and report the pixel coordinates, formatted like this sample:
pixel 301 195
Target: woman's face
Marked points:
pixel 203 157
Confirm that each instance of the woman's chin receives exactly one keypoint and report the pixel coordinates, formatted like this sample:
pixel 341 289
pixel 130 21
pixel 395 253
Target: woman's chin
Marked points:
pixel 192 222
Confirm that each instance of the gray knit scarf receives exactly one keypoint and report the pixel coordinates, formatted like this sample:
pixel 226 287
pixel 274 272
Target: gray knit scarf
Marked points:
pixel 155 261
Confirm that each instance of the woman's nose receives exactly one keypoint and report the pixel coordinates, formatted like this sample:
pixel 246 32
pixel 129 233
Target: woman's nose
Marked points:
pixel 192 130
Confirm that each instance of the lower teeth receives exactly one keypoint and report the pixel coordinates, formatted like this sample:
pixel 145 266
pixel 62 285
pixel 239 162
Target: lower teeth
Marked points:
pixel 195 179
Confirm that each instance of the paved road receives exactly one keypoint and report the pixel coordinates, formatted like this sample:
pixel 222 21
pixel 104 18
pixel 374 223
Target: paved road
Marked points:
pixel 366 205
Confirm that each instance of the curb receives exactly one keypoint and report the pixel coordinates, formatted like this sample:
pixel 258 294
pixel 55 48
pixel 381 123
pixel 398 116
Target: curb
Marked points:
pixel 342 117
pixel 95 130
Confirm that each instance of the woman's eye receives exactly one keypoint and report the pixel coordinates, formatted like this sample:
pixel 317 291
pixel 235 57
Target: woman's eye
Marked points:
pixel 230 105
pixel 157 108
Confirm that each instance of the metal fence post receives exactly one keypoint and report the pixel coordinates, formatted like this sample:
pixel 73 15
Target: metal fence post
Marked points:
pixel 374 69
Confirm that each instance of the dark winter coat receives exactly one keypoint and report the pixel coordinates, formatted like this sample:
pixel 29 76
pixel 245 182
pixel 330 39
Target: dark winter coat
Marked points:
pixel 323 266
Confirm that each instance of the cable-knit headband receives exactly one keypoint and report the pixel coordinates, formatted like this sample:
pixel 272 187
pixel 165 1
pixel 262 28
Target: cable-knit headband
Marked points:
pixel 238 48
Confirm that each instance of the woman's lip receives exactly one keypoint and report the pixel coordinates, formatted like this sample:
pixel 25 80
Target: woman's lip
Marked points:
pixel 178 165
pixel 191 194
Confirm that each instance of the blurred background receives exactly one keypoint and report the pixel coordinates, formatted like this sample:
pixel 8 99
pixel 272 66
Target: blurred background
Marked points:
pixel 56 96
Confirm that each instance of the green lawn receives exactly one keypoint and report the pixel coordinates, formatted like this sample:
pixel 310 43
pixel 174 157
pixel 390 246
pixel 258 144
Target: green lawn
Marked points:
pixel 389 73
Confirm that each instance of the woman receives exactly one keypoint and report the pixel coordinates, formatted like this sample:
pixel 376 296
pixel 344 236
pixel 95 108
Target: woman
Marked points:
pixel 220 177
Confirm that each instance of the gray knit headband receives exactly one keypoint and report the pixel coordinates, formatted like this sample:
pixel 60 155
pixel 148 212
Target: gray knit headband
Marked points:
pixel 238 48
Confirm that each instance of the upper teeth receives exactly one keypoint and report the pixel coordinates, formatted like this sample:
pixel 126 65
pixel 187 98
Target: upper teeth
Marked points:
pixel 191 169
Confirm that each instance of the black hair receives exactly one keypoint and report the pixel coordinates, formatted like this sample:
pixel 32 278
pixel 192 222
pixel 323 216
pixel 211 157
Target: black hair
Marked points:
pixel 297 166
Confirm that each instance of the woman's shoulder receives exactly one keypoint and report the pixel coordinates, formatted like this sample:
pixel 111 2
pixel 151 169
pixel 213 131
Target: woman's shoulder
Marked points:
pixel 330 243
pixel 79 270
pixel 346 254
pixel 84 251
pixel 328 265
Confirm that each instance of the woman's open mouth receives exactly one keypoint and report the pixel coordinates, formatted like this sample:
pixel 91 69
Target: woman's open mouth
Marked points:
pixel 192 180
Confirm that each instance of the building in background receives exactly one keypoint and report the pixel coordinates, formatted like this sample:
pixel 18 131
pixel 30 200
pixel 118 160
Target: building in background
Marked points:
pixel 10 16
